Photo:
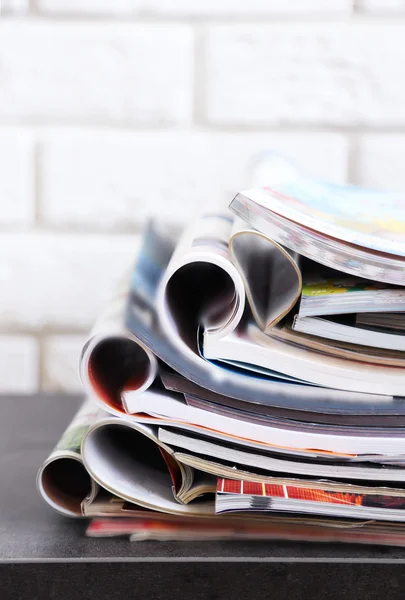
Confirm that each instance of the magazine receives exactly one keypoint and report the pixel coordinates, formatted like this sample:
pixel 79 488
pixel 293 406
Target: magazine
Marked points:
pixel 274 527
pixel 367 354
pixel 269 416
pixel 340 301
pixel 341 226
pixel 379 503
pixel 332 293
pixel 105 504
pixel 160 406
pixel 113 361
pixel 376 412
pixel 250 347
pixel 180 529
pixel 391 322
pixel 221 457
pixel 62 480
pixel 348 330
pixel 127 459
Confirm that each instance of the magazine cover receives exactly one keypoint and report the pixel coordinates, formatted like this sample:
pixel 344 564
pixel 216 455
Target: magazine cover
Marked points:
pixel 367 218
pixel 267 491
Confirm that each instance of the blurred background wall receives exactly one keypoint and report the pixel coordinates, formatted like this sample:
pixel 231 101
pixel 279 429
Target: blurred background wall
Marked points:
pixel 113 109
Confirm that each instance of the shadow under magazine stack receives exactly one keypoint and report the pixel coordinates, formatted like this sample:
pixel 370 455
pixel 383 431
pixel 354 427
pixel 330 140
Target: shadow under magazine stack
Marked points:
pixel 246 380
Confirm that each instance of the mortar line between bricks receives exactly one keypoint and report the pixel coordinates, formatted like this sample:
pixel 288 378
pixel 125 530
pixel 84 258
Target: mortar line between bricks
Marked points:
pixel 356 16
pixel 40 361
pixel 199 90
pixel 352 158
pixel 85 230
pixel 33 8
pixel 37 181
pixel 80 128
pixel 192 20
pixel 42 334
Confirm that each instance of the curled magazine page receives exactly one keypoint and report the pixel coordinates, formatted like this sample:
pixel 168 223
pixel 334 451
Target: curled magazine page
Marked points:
pixel 217 263
pixel 63 480
pixel 113 360
pixel 201 284
pixel 271 274
pixel 126 458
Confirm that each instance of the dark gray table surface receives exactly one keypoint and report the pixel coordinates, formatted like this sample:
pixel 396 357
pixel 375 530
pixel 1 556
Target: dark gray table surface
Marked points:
pixel 45 555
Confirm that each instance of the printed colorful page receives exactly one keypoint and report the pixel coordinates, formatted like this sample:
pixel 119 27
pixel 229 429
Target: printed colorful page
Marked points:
pixel 366 218
pixel 268 490
pixel 335 293
pixel 325 287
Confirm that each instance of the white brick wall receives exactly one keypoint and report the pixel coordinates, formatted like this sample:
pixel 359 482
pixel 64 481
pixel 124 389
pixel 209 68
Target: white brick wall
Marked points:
pixel 60 362
pixel 17 180
pixel 92 73
pixel 114 179
pixel 321 74
pixel 19 364
pixel 381 161
pixel 110 111
pixel 14 7
pixel 53 281
pixel 382 6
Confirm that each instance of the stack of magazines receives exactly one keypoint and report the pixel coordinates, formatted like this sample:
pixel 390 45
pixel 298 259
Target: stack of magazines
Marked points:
pixel 247 378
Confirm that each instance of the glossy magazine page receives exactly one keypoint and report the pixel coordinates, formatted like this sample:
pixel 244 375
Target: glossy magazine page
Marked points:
pixel 251 206
pixel 378 503
pixel 367 218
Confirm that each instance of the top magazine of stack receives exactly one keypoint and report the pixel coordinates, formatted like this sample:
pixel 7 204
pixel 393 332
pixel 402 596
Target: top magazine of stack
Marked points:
pixel 355 230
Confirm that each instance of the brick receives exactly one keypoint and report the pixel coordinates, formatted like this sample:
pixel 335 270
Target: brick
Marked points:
pixel 14 7
pixel 381 6
pixel 64 280
pixel 194 7
pixel 17 205
pixel 18 364
pixel 381 161
pixel 321 74
pixel 60 363
pixel 107 179
pixel 93 72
